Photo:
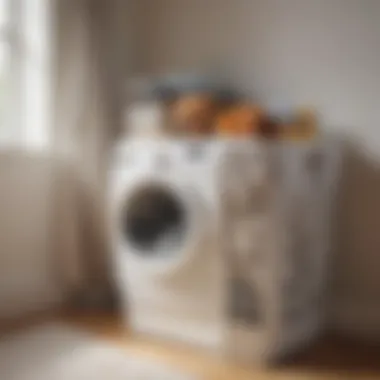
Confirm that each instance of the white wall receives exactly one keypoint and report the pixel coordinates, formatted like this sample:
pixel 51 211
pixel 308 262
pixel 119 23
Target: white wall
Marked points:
pixel 288 52
pixel 296 51
pixel 28 280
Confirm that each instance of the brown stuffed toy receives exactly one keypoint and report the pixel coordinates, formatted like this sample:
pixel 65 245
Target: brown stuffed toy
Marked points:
pixel 269 128
pixel 194 114
pixel 239 120
pixel 304 126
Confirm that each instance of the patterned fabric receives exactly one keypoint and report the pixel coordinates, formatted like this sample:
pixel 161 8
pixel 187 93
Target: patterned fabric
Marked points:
pixel 246 197
pixel 244 307
pixel 275 207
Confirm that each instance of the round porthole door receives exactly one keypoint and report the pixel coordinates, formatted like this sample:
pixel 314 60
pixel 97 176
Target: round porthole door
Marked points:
pixel 161 227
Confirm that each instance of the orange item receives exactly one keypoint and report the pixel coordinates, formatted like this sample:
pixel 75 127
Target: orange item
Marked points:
pixel 239 120
pixel 194 114
pixel 303 127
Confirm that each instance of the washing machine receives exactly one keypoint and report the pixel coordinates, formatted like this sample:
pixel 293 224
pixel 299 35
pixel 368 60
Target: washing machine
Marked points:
pixel 165 226
pixel 222 244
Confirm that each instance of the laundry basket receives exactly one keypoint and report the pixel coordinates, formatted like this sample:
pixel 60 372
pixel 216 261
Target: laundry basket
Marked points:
pixel 276 239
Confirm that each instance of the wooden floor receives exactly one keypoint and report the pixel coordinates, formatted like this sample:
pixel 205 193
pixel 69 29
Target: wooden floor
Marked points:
pixel 331 358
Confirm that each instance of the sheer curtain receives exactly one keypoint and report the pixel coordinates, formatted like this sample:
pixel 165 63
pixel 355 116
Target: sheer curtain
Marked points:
pixel 89 73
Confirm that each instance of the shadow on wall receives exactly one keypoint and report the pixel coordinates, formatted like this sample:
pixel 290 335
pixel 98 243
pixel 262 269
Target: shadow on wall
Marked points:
pixel 28 278
pixel 356 279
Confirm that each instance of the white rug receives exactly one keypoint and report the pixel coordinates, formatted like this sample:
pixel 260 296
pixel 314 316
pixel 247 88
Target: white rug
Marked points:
pixel 59 352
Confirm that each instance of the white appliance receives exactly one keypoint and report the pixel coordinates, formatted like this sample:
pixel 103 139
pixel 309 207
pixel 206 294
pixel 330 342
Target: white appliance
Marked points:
pixel 164 224
pixel 277 242
pixel 146 119
pixel 223 244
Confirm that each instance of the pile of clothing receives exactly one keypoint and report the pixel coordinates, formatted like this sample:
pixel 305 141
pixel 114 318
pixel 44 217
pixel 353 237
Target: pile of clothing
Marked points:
pixel 188 106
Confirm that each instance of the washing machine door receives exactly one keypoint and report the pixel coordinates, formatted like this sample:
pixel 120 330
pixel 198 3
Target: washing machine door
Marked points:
pixel 161 226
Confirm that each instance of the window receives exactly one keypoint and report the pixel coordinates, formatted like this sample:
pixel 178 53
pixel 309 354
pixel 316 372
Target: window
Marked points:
pixel 24 73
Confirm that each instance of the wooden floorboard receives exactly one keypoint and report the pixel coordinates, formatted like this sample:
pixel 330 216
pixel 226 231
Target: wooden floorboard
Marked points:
pixel 332 357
